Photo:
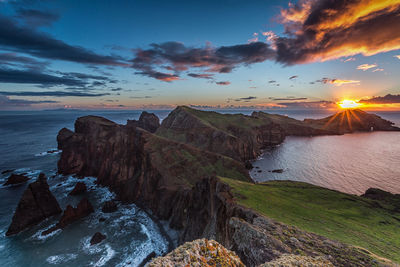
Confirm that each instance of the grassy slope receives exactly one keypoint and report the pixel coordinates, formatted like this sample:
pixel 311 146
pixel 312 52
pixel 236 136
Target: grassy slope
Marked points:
pixel 347 218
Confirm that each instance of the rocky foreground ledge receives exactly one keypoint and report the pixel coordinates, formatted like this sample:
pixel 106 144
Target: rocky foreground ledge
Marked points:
pixel 173 171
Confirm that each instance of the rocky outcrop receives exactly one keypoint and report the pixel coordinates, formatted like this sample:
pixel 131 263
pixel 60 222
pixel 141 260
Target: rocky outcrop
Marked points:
pixel 79 189
pixel 97 238
pixel 290 260
pixel 71 214
pixel 37 203
pixel 109 207
pixel 201 252
pixel 148 121
pixel 352 120
pixel 234 135
pixel 177 180
pixel 390 201
pixel 15 179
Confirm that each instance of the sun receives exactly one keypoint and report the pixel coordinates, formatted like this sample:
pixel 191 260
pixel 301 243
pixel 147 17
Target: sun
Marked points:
pixel 347 103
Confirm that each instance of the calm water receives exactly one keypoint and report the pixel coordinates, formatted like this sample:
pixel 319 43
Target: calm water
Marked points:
pixel 350 163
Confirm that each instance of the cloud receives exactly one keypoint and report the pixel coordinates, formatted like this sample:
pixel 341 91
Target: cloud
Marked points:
pixel 272 81
pixel 35 77
pixel 398 56
pixel 290 98
pixel 349 59
pixel 15 59
pixel 254 38
pixel 36 18
pixel 141 97
pixel 378 69
pixel 326 29
pixel 337 82
pixel 176 57
pixel 387 99
pixel 223 83
pixel 365 67
pixel 201 76
pixel 17 38
pixel 308 104
pixel 242 99
pixel 6 102
pixel 293 77
pixel 52 93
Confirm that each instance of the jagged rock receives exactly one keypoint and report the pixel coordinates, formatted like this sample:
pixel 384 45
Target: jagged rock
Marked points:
pixel 177 179
pixel 290 260
pixel 79 188
pixel 71 214
pixel 148 121
pixel 37 203
pixel 16 179
pixel 109 206
pixel 201 252
pixel 7 171
pixel 97 238
pixel 237 136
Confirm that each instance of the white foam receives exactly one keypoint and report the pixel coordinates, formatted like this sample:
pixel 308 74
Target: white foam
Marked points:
pixel 38 235
pixel 2 247
pixel 109 254
pixel 62 258
pixel 53 151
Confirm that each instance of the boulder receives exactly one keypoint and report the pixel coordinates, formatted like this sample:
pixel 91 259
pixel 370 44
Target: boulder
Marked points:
pixel 109 206
pixel 148 121
pixel 16 179
pixel 37 203
pixel 79 188
pixel 97 238
pixel 71 215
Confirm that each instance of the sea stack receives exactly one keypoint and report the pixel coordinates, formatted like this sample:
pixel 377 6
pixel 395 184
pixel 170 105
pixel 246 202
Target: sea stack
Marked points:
pixel 37 203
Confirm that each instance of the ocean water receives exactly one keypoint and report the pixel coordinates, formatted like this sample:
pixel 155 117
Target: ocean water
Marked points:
pixel 25 138
pixel 350 163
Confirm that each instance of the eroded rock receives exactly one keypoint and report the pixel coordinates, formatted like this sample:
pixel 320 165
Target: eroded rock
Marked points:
pixel 37 203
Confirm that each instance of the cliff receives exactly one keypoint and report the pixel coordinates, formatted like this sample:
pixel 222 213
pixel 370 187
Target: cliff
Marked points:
pixel 174 173
pixel 234 135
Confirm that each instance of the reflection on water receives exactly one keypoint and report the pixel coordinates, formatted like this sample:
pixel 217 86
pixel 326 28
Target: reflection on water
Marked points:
pixel 349 163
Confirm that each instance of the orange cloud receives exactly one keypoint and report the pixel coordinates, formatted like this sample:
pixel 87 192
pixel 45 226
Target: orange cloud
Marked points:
pixel 324 30
pixel 398 56
pixel 339 82
pixel 365 67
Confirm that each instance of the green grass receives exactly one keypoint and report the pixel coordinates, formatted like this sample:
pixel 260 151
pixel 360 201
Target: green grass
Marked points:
pixel 347 218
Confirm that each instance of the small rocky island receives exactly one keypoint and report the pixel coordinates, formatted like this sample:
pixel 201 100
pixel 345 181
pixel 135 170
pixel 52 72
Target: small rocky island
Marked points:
pixel 188 170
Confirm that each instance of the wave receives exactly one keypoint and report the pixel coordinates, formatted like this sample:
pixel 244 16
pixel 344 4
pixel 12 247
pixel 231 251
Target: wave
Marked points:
pixel 62 258
pixel 53 151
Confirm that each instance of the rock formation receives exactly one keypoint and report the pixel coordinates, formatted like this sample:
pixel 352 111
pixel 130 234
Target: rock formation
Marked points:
pixel 174 174
pixel 37 203
pixel 15 179
pixel 79 188
pixel 148 121
pixel 201 252
pixel 72 214
pixel 234 135
pixel 97 238
pixel 109 206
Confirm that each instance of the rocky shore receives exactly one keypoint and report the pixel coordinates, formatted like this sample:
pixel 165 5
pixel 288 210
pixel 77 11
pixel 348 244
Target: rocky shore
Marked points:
pixel 173 170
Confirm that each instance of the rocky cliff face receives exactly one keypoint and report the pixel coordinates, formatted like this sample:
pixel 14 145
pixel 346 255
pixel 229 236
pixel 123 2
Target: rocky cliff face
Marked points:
pixel 237 136
pixel 148 121
pixel 37 203
pixel 200 252
pixel 174 173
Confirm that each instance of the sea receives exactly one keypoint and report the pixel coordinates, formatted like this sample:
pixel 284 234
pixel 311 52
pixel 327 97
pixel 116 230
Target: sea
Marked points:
pixel 349 163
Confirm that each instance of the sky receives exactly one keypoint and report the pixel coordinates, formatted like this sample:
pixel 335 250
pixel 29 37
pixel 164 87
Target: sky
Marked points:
pixel 148 54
